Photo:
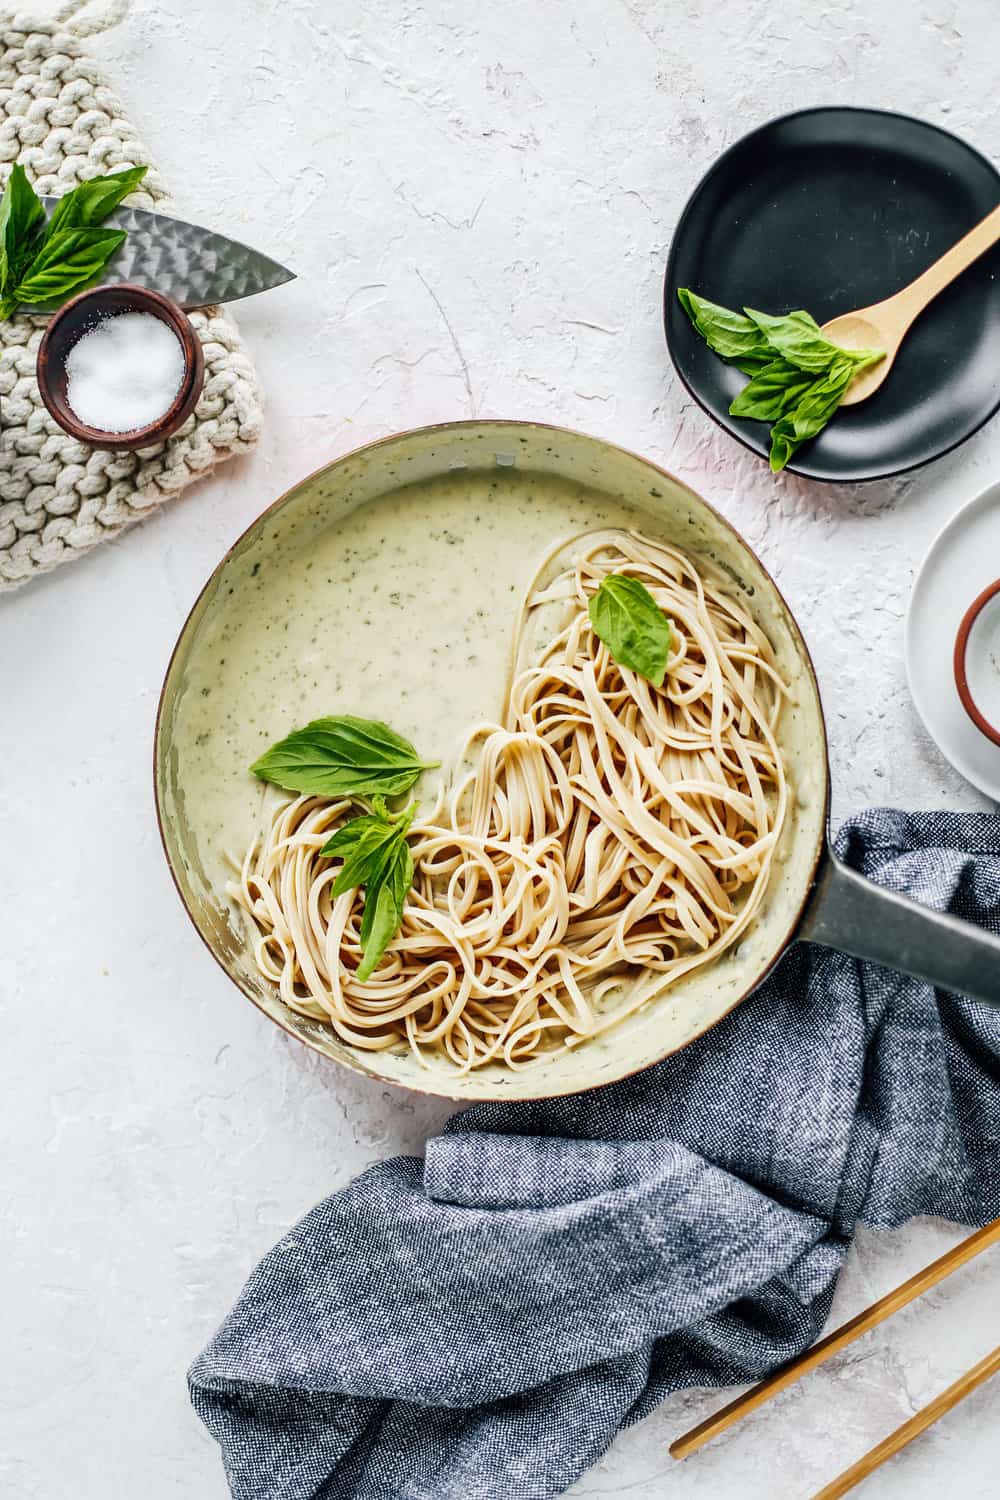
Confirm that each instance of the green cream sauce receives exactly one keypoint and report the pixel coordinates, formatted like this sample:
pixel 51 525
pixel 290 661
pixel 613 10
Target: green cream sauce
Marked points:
pixel 403 611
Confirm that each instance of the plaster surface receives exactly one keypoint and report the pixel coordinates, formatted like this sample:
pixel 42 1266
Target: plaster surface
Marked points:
pixel 478 201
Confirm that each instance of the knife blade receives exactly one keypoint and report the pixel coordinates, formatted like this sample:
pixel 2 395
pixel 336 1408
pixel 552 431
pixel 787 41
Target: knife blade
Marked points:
pixel 194 266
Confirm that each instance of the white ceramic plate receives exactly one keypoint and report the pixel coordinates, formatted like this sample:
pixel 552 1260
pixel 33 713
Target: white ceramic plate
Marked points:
pixel 963 560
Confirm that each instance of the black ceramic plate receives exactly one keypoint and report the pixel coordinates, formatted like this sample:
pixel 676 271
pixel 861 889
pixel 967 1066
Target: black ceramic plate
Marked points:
pixel 832 209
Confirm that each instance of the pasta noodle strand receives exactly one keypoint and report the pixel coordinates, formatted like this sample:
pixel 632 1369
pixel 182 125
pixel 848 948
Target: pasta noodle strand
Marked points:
pixel 611 838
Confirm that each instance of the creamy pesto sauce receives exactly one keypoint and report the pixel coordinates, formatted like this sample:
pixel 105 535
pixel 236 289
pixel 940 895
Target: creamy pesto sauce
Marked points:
pixel 402 611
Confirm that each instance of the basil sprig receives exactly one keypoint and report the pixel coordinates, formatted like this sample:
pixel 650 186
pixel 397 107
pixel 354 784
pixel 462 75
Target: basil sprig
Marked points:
pixel 811 414
pixel 732 335
pixel 775 389
pixel 349 757
pixel 43 261
pixel 627 618
pixel 375 855
pixel 798 377
pixel 342 757
pixel 800 340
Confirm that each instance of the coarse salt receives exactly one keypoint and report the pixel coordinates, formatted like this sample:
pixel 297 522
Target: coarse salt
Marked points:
pixel 125 372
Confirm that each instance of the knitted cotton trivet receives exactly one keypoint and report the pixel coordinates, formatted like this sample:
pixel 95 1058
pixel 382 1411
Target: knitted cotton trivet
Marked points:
pixel 59 498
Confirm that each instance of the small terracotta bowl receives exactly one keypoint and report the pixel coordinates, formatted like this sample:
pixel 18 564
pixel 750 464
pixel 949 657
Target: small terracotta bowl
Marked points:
pixel 977 661
pixel 76 319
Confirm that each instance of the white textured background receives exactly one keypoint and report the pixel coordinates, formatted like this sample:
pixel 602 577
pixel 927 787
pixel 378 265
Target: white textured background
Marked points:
pixel 478 200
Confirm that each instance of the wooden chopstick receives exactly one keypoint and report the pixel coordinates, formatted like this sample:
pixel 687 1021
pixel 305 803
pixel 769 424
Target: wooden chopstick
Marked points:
pixel 917 1424
pixel 966 1250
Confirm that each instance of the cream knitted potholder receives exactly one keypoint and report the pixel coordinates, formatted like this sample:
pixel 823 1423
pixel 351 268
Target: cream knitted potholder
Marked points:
pixel 59 498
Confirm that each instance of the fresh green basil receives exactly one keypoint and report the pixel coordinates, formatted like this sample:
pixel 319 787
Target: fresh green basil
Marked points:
pixel 627 618
pixel 350 757
pixel 731 335
pixel 385 902
pixel 364 843
pixel 22 219
pixel 773 390
pixel 812 413
pixel 797 337
pixel 43 262
pixel 798 376
pixel 375 855
pixel 90 202
pixel 65 262
pixel 342 757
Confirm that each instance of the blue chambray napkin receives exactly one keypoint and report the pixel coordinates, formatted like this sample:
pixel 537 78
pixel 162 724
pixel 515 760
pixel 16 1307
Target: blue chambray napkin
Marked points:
pixel 479 1324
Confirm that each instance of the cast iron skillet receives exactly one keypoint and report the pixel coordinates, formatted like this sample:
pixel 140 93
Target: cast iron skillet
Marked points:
pixel 811 897
pixel 832 209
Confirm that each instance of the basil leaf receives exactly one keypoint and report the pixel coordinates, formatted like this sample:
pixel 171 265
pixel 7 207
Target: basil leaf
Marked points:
pixel 385 901
pixel 813 412
pixel 90 202
pixel 798 376
pixel 347 835
pixel 67 260
pixel 774 390
pixel 364 844
pixel 731 335
pixel 388 876
pixel 627 618
pixel 342 757
pixel 21 219
pixel 376 855
pixel 364 862
pixel 42 263
pixel 859 356
pixel 798 338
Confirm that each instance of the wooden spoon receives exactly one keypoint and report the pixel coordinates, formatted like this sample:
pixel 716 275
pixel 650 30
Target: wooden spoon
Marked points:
pixel 884 325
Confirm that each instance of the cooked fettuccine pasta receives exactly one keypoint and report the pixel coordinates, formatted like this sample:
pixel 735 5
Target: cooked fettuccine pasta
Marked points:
pixel 604 839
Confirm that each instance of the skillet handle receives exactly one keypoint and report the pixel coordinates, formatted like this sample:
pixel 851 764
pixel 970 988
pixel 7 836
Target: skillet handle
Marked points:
pixel 852 914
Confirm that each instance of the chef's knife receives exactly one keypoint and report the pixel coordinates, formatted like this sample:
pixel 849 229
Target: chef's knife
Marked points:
pixel 194 266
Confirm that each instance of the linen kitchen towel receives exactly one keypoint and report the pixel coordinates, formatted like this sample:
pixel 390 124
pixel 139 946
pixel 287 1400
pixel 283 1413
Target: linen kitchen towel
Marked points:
pixel 480 1324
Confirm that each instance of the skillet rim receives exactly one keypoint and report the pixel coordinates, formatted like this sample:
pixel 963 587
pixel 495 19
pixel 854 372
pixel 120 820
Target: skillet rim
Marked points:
pixel 816 861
